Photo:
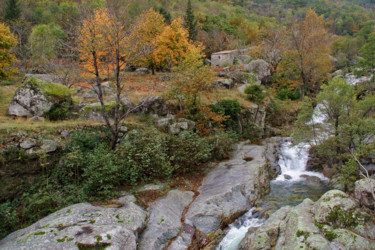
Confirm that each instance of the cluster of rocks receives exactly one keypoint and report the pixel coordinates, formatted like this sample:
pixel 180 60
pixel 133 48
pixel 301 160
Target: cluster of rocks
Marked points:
pixel 172 125
pixel 254 72
pixel 335 221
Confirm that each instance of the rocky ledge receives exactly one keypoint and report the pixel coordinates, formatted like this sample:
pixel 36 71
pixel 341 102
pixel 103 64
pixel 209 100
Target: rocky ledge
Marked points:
pixel 335 221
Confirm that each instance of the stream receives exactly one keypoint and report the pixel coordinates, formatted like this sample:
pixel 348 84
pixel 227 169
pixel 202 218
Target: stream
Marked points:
pixel 291 187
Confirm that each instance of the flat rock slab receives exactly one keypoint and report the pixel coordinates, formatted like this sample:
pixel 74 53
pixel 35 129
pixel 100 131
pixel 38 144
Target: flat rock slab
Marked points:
pixel 229 189
pixel 83 225
pixel 165 219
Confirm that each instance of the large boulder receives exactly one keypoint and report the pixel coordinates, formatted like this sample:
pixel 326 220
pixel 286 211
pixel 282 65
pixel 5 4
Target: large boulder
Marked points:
pixel 230 189
pixel 165 220
pixel 37 96
pixel 273 145
pixel 83 226
pixel 142 71
pixel 153 105
pixel 223 84
pixel 364 191
pixel 260 68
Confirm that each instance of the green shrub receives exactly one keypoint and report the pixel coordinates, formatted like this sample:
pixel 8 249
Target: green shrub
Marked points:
pixel 143 157
pixel 58 112
pixel 287 94
pixel 8 218
pixel 188 151
pixel 255 93
pixel 15 154
pixel 252 132
pixel 229 108
pixel 101 173
pixel 222 144
pixel 87 140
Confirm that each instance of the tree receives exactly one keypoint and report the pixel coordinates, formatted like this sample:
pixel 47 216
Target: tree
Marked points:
pixel 255 94
pixel 311 51
pixel 167 16
pixel 45 43
pixel 149 26
pixel 368 54
pixel 12 11
pixel 190 22
pixel 104 49
pixel 7 43
pixel 174 46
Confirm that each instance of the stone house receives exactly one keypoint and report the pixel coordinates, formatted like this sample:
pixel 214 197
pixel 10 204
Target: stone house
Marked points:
pixel 226 57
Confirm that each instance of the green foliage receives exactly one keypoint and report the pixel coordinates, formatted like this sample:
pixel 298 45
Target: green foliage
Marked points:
pixel 101 174
pixel 58 112
pixel 229 108
pixel 348 173
pixel 222 144
pixel 285 94
pixel 167 16
pixel 12 11
pixel 8 218
pixel 188 151
pixel 143 157
pixel 337 217
pixel 190 22
pixel 368 54
pixel 255 93
pixel 14 154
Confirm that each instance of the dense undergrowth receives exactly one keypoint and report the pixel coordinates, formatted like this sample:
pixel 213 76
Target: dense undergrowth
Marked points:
pixel 87 169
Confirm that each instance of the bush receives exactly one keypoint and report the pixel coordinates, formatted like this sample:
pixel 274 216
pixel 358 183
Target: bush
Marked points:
pixel 222 144
pixel 101 173
pixel 57 112
pixel 143 156
pixel 255 93
pixel 287 94
pixel 14 154
pixel 87 140
pixel 230 108
pixel 188 151
pixel 8 218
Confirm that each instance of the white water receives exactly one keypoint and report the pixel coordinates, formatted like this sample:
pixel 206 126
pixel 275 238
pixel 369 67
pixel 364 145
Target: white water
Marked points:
pixel 237 233
pixel 293 160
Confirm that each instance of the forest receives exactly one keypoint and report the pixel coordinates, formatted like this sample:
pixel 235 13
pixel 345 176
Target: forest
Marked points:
pixel 106 99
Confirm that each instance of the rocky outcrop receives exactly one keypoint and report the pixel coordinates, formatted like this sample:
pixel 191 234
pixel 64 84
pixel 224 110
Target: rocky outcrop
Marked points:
pixel 223 84
pixel 83 226
pixel 174 126
pixel 142 71
pixel 165 220
pixel 230 190
pixel 37 96
pixel 254 115
pixel 153 105
pixel 364 192
pixel 335 221
pixel 260 68
pixel 273 153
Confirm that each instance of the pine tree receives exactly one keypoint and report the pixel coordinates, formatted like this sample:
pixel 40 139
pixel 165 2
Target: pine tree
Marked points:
pixel 12 11
pixel 190 22
pixel 167 16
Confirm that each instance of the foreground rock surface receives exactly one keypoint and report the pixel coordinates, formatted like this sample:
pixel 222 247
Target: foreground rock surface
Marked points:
pixel 230 189
pixel 335 221
pixel 165 220
pixel 83 225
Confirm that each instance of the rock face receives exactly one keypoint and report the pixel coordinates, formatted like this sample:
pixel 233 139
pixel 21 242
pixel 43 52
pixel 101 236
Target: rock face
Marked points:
pixel 254 115
pixel 230 189
pixel 174 126
pixel 273 153
pixel 153 105
pixel 260 68
pixel 37 96
pixel 165 220
pixel 363 192
pixel 335 221
pixel 83 225
pixel 224 84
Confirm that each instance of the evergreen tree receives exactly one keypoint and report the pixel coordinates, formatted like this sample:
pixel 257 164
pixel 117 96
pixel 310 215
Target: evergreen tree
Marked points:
pixel 190 22
pixel 167 16
pixel 368 54
pixel 12 11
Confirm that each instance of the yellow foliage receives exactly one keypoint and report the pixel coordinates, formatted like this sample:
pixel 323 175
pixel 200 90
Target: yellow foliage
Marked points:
pixel 173 46
pixel 7 43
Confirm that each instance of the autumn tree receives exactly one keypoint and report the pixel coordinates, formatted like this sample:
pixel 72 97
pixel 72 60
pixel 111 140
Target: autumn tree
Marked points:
pixel 148 28
pixel 311 51
pixel 7 43
pixel 104 48
pixel 173 45
pixel 272 45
